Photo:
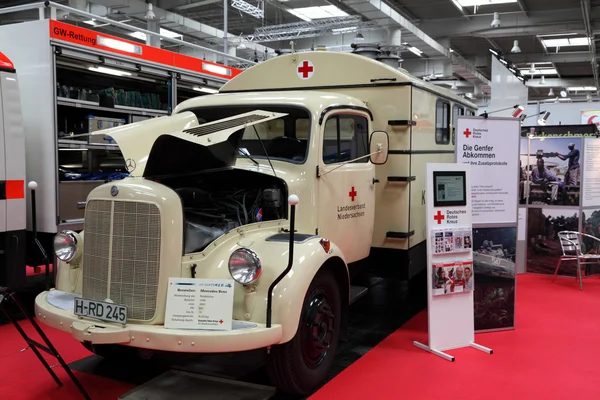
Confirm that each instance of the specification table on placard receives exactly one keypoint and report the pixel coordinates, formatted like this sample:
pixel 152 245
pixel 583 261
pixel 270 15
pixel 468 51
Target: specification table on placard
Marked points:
pixel 199 304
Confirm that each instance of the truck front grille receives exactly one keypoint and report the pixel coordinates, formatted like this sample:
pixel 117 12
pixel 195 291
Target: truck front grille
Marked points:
pixel 121 255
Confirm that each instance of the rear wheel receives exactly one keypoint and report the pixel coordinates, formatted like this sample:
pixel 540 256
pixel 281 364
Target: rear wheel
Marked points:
pixel 302 364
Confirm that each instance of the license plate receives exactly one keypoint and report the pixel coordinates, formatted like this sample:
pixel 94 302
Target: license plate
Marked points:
pixel 100 310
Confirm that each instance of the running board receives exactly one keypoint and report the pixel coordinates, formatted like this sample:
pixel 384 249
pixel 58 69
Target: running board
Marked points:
pixel 356 292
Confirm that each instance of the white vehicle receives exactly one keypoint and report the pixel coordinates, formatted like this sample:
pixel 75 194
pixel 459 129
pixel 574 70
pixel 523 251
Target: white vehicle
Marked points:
pixel 208 199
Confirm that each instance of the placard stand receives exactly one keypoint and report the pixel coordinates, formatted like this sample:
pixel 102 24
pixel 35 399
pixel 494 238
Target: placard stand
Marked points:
pixel 449 260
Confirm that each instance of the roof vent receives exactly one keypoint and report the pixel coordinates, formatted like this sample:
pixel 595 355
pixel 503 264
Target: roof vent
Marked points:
pixel 390 59
pixel 370 50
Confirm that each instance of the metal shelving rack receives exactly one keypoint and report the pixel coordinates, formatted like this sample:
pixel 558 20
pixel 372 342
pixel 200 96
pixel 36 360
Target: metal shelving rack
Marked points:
pixel 40 51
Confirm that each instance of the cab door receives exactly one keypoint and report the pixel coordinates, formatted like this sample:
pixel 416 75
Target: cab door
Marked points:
pixel 346 192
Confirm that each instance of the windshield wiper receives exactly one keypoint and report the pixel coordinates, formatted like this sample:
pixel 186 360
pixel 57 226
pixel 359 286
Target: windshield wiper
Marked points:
pixel 264 149
pixel 249 156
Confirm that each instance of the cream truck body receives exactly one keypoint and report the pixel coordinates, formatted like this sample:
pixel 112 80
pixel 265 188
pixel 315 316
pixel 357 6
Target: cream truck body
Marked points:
pixel 133 240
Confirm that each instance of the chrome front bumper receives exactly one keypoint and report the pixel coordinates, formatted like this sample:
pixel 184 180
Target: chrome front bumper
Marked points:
pixel 156 337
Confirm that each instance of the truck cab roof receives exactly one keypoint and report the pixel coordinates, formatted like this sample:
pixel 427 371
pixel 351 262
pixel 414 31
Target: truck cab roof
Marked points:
pixel 313 100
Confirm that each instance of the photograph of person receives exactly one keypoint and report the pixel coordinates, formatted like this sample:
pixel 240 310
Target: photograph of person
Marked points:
pixel 469 280
pixel 459 280
pixel 494 263
pixel 467 241
pixel 441 192
pixel 551 172
pixel 440 279
pixel 543 246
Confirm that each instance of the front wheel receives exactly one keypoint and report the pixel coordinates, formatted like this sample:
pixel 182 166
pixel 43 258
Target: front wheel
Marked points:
pixel 302 364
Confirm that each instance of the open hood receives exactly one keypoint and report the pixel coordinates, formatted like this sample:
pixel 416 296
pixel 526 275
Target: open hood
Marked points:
pixel 178 144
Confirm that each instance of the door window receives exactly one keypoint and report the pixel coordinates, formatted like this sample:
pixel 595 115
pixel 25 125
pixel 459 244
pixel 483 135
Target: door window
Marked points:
pixel 442 122
pixel 345 138
pixel 457 110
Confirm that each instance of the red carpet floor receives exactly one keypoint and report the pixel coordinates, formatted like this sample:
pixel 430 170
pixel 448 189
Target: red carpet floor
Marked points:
pixel 552 354
pixel 22 376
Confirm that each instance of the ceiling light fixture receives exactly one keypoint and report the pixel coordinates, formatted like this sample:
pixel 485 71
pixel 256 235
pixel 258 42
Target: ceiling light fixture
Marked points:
pixel 494 52
pixel 543 80
pixel 318 12
pixel 476 3
pixel 454 86
pixel 563 93
pixel 538 71
pixel 532 69
pixel 503 61
pixel 516 48
pixel 566 42
pixel 588 97
pixel 551 93
pixel 150 13
pixel 359 37
pixel 496 21
pixel 413 49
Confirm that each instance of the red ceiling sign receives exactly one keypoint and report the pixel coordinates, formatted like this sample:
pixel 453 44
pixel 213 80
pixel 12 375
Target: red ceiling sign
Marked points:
pixel 118 46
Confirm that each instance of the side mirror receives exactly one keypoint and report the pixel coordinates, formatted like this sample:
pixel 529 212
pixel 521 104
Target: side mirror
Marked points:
pixel 379 146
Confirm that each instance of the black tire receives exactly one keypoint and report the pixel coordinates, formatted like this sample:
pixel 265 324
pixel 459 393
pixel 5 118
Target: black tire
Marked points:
pixel 300 366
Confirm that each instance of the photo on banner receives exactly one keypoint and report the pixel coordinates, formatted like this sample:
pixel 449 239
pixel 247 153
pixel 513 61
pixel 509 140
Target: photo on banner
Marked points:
pixel 494 252
pixel 552 173
pixel 543 246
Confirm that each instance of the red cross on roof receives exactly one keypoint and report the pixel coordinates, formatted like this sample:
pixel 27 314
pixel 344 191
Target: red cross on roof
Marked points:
pixel 439 217
pixel 306 69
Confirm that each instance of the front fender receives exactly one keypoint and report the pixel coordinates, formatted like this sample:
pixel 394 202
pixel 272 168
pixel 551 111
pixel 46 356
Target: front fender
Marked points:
pixel 250 303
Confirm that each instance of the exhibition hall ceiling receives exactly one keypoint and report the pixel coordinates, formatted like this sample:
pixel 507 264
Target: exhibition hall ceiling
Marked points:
pixel 556 39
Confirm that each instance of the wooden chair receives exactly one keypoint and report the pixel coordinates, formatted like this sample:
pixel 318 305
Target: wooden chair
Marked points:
pixel 570 241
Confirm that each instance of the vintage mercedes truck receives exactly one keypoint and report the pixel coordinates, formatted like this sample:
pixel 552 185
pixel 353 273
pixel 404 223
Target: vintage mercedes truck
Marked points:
pixel 344 137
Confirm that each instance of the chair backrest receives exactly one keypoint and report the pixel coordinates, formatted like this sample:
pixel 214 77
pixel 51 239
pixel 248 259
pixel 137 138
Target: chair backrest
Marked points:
pixel 569 241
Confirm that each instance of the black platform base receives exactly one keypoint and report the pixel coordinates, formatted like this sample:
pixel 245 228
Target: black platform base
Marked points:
pixel 185 385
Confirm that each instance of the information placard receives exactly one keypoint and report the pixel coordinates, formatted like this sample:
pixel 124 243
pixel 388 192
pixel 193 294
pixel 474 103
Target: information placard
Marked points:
pixel 591 173
pixel 450 278
pixel 203 304
pixel 491 147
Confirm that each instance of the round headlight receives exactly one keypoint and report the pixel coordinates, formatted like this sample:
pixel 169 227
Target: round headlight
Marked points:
pixel 65 245
pixel 244 266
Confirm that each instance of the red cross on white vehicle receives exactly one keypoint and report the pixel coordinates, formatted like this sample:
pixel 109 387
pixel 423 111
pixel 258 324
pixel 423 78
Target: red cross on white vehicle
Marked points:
pixel 305 69
pixel 352 193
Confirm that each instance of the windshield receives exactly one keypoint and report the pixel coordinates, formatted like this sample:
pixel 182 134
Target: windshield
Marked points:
pixel 284 139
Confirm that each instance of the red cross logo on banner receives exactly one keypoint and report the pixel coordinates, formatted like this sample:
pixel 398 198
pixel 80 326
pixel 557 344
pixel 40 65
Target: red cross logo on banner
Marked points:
pixel 305 70
pixel 220 321
pixel 352 193
pixel 467 133
pixel 439 217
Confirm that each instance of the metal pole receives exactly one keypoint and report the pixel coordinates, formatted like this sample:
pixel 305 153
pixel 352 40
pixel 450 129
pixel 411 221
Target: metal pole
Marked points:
pixel 225 31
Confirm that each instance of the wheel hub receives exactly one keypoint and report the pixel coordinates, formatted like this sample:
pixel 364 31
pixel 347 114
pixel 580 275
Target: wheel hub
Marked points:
pixel 317 330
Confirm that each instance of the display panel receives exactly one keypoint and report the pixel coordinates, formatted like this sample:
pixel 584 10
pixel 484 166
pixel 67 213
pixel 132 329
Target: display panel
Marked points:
pixel 449 188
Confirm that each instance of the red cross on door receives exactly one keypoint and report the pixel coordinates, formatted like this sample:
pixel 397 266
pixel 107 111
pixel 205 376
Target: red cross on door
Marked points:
pixel 305 70
pixel 467 133
pixel 352 193
pixel 439 217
